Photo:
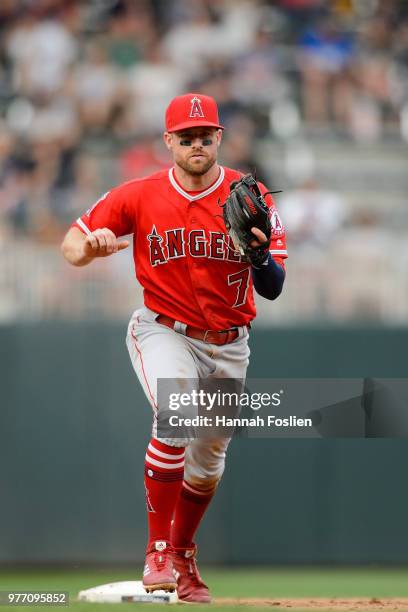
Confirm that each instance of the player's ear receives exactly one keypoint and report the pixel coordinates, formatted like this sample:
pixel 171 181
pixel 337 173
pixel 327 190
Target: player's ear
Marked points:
pixel 219 137
pixel 168 138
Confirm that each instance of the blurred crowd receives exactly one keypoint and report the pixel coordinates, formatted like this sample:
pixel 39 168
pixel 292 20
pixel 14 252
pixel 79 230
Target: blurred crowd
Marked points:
pixel 84 85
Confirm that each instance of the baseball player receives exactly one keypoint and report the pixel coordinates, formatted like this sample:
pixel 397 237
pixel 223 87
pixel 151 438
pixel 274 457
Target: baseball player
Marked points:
pixel 198 296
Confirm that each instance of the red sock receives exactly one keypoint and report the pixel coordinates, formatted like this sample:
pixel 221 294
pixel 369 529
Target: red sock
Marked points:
pixel 190 509
pixel 164 469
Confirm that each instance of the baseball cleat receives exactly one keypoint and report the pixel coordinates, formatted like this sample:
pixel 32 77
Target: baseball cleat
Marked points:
pixel 158 573
pixel 190 587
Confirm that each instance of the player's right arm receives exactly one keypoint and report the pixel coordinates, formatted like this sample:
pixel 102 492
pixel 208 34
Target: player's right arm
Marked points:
pixel 80 249
pixel 97 233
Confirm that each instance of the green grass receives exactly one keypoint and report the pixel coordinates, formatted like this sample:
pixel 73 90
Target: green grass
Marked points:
pixel 225 582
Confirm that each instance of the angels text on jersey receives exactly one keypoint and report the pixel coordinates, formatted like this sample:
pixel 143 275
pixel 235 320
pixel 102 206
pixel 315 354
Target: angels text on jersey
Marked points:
pixel 176 243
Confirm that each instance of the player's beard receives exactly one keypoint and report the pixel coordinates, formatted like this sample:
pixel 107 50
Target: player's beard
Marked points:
pixel 195 169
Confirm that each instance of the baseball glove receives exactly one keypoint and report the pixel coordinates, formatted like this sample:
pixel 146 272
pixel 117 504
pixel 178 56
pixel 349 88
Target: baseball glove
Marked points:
pixel 243 209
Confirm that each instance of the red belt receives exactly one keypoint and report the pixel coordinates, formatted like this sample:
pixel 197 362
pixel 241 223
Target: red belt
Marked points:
pixel 211 336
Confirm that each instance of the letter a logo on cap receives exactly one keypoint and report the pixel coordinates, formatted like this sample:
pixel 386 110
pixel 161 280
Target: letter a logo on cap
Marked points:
pixel 196 110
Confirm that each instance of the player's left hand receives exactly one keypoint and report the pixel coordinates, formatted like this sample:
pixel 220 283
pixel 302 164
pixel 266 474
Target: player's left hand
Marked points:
pixel 261 238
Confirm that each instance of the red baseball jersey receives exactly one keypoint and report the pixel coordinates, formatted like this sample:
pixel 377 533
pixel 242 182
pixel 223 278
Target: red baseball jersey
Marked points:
pixel 184 259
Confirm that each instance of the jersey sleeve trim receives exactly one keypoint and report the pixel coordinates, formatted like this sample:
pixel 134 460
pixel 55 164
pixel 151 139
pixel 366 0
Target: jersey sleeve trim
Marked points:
pixel 278 252
pixel 82 225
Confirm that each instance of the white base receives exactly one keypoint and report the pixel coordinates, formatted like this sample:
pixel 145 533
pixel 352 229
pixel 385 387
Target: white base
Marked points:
pixel 123 592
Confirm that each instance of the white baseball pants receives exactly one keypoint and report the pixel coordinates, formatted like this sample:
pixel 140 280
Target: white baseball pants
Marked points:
pixel 156 351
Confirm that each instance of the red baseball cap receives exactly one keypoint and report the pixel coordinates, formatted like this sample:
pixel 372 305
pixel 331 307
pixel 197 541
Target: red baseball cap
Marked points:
pixel 192 110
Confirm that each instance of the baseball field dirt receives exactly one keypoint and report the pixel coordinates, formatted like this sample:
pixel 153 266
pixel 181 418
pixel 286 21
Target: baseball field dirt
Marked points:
pixel 356 604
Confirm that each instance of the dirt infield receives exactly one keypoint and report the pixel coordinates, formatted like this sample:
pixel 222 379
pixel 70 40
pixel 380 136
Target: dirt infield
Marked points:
pixel 343 605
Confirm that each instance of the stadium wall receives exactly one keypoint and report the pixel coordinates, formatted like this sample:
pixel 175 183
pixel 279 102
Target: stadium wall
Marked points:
pixel 74 426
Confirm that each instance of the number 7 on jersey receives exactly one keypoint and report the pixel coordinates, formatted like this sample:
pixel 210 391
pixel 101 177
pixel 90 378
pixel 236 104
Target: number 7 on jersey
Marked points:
pixel 241 279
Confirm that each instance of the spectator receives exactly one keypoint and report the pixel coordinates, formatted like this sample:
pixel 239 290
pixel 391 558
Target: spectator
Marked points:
pixel 128 33
pixel 257 77
pixel 372 96
pixel 152 82
pixel 97 88
pixel 313 215
pixel 325 59
pixel 144 158
pixel 41 53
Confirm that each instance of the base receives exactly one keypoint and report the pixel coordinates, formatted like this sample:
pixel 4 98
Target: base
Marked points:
pixel 124 592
